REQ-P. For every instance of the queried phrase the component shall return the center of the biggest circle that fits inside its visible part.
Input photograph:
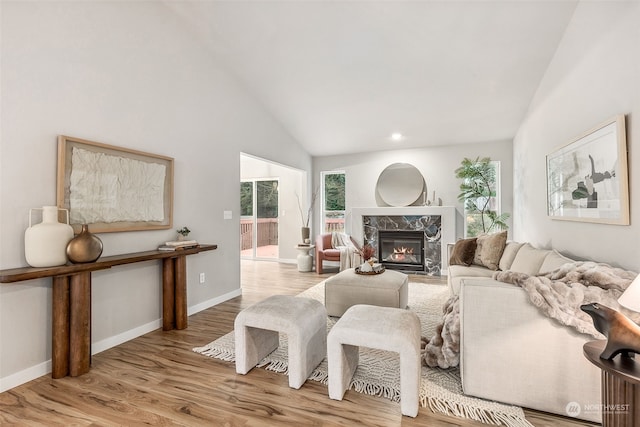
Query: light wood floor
(157, 380)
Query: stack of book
(178, 245)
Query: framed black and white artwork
(587, 179)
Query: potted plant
(477, 190)
(367, 252)
(183, 233)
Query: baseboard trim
(44, 368)
(105, 344)
(213, 301)
(24, 376)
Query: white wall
(594, 76)
(128, 74)
(437, 165)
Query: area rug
(378, 371)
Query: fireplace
(401, 250)
(436, 223)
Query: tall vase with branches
(306, 218)
(477, 189)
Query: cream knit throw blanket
(558, 295)
(349, 254)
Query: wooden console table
(620, 386)
(71, 301)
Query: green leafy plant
(477, 190)
(184, 231)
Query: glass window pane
(475, 222)
(334, 221)
(246, 198)
(259, 232)
(333, 203)
(334, 192)
(267, 199)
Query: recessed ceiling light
(396, 136)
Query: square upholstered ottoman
(347, 288)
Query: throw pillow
(510, 251)
(529, 260)
(553, 261)
(489, 249)
(463, 252)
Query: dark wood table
(620, 386)
(71, 301)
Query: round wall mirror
(400, 184)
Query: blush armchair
(326, 251)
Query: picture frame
(587, 179)
(113, 188)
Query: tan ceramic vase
(85, 247)
(306, 231)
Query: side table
(620, 386)
(305, 260)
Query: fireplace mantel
(447, 214)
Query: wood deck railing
(334, 224)
(267, 230)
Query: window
(482, 210)
(333, 201)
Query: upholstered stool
(347, 288)
(383, 328)
(257, 331)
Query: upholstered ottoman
(383, 328)
(257, 331)
(347, 288)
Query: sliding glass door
(259, 218)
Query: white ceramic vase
(45, 244)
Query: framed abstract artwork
(113, 188)
(587, 179)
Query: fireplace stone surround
(437, 222)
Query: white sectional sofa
(512, 353)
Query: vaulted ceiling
(342, 76)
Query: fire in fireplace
(402, 254)
(401, 250)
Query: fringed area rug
(378, 371)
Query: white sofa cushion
(528, 260)
(508, 255)
(553, 261)
(458, 272)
